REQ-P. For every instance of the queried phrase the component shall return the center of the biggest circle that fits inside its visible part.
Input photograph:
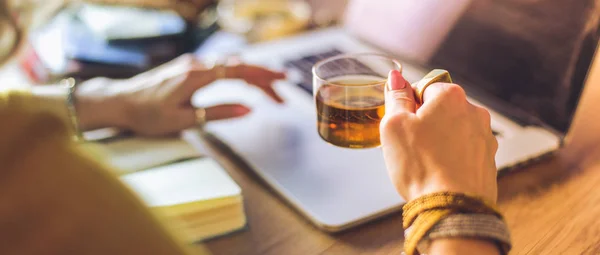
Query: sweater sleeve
(57, 199)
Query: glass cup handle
(436, 75)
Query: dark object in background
(39, 72)
(66, 47)
(79, 43)
(492, 48)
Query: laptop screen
(532, 55)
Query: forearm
(459, 246)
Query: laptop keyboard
(304, 66)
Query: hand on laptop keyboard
(446, 144)
(158, 101)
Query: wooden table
(551, 207)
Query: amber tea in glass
(349, 95)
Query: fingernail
(242, 110)
(395, 81)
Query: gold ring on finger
(436, 75)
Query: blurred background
(491, 41)
(122, 38)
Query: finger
(252, 70)
(263, 79)
(493, 143)
(447, 91)
(492, 149)
(188, 117)
(399, 95)
(485, 117)
(226, 111)
(277, 75)
(272, 94)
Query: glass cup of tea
(349, 92)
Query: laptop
(529, 77)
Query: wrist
(450, 246)
(97, 106)
(417, 190)
(451, 215)
(433, 186)
(234, 71)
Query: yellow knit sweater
(56, 199)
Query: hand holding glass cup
(349, 92)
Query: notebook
(194, 193)
(134, 154)
(196, 196)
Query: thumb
(399, 95)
